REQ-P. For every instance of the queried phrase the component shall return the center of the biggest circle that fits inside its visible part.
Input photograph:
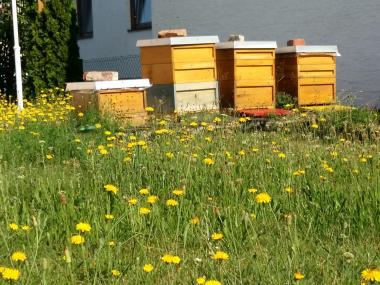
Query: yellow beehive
(308, 73)
(178, 59)
(246, 73)
(125, 100)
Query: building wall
(352, 25)
(111, 39)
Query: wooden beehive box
(182, 71)
(246, 72)
(178, 59)
(308, 73)
(125, 100)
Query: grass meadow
(199, 199)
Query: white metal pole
(16, 48)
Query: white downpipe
(16, 48)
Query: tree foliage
(48, 40)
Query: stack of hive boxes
(246, 72)
(308, 73)
(124, 100)
(182, 71)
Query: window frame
(87, 34)
(134, 14)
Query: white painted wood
(309, 49)
(247, 45)
(104, 85)
(178, 41)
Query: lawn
(197, 199)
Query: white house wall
(352, 25)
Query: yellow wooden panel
(154, 55)
(194, 65)
(252, 72)
(158, 73)
(317, 80)
(195, 75)
(316, 94)
(254, 54)
(122, 103)
(250, 62)
(255, 82)
(316, 59)
(193, 53)
(316, 70)
(254, 97)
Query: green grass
(328, 228)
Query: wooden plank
(316, 59)
(196, 100)
(194, 75)
(193, 53)
(254, 97)
(121, 103)
(155, 55)
(316, 94)
(193, 65)
(158, 73)
(254, 54)
(252, 72)
(254, 62)
(84, 100)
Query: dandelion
(282, 155)
(176, 259)
(49, 156)
(83, 227)
(195, 221)
(194, 124)
(169, 155)
(148, 268)
(107, 133)
(178, 192)
(26, 228)
(18, 256)
(252, 190)
(371, 275)
(152, 199)
(80, 114)
(144, 211)
(217, 236)
(144, 191)
(109, 217)
(299, 172)
(132, 201)
(171, 203)
(149, 109)
(13, 226)
(289, 190)
(11, 274)
(103, 151)
(77, 239)
(115, 273)
(111, 243)
(263, 198)
(208, 161)
(314, 126)
(243, 120)
(98, 126)
(127, 159)
(220, 255)
(111, 188)
(298, 276)
(201, 280)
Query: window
(84, 8)
(141, 14)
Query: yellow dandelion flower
(171, 203)
(178, 192)
(49, 156)
(144, 191)
(98, 126)
(195, 221)
(176, 259)
(201, 280)
(298, 276)
(289, 190)
(11, 274)
(132, 201)
(127, 159)
(115, 273)
(77, 239)
(241, 152)
(148, 268)
(169, 155)
(220, 255)
(152, 199)
(282, 155)
(111, 243)
(194, 124)
(109, 216)
(80, 114)
(149, 109)
(107, 133)
(26, 228)
(252, 190)
(111, 188)
(83, 227)
(144, 211)
(371, 275)
(314, 126)
(167, 258)
(18, 256)
(263, 198)
(217, 120)
(103, 151)
(13, 226)
(217, 236)
(208, 161)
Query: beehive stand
(308, 73)
(246, 72)
(125, 100)
(182, 71)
